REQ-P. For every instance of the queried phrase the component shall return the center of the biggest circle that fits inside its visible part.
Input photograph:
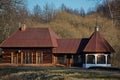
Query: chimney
(96, 28)
(23, 27)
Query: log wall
(27, 56)
(6, 57)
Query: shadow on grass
(106, 68)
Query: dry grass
(53, 73)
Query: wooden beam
(21, 57)
(25, 57)
(41, 61)
(17, 59)
(39, 58)
(53, 59)
(67, 62)
(12, 57)
(71, 61)
(28, 57)
(32, 57)
(36, 58)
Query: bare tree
(8, 16)
(48, 12)
(82, 12)
(37, 13)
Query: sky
(74, 4)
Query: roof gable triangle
(97, 43)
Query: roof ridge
(51, 39)
(50, 36)
(72, 38)
(95, 39)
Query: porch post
(53, 59)
(106, 59)
(57, 59)
(25, 58)
(70, 64)
(28, 54)
(17, 58)
(36, 58)
(32, 57)
(12, 57)
(86, 58)
(21, 57)
(67, 61)
(95, 58)
(41, 57)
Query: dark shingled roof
(98, 44)
(70, 46)
(45, 37)
(67, 46)
(32, 37)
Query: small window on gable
(90, 59)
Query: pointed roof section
(32, 37)
(97, 43)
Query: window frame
(89, 60)
(101, 59)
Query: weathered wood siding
(6, 57)
(40, 56)
(47, 56)
(69, 60)
(27, 56)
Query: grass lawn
(55, 73)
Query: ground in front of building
(56, 73)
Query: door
(47, 58)
(77, 60)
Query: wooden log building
(41, 47)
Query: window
(108, 59)
(40, 56)
(77, 59)
(101, 59)
(27, 58)
(90, 59)
(15, 59)
(61, 59)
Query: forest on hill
(66, 22)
